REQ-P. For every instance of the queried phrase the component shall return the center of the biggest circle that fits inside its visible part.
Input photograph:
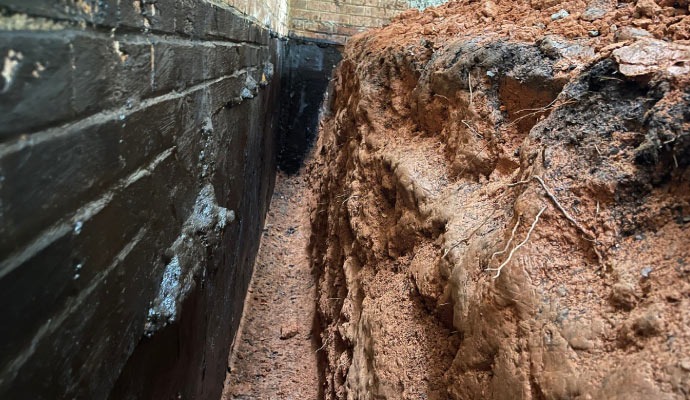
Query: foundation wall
(137, 159)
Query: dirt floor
(274, 354)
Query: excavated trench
(497, 206)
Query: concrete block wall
(137, 159)
(336, 20)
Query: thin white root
(469, 81)
(354, 196)
(588, 235)
(558, 205)
(518, 183)
(322, 347)
(472, 129)
(475, 157)
(510, 256)
(547, 107)
(465, 240)
(512, 235)
(539, 108)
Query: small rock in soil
(647, 8)
(647, 324)
(623, 296)
(593, 13)
(288, 331)
(685, 364)
(630, 33)
(490, 9)
(560, 15)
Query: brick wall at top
(273, 14)
(336, 20)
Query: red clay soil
(498, 207)
(504, 205)
(529, 21)
(274, 355)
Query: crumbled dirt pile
(503, 205)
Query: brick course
(336, 20)
(273, 14)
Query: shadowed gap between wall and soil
(304, 86)
(277, 349)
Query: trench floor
(274, 352)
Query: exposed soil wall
(503, 205)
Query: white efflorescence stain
(9, 68)
(202, 229)
(169, 289)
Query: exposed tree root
(536, 111)
(512, 235)
(587, 235)
(472, 129)
(510, 256)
